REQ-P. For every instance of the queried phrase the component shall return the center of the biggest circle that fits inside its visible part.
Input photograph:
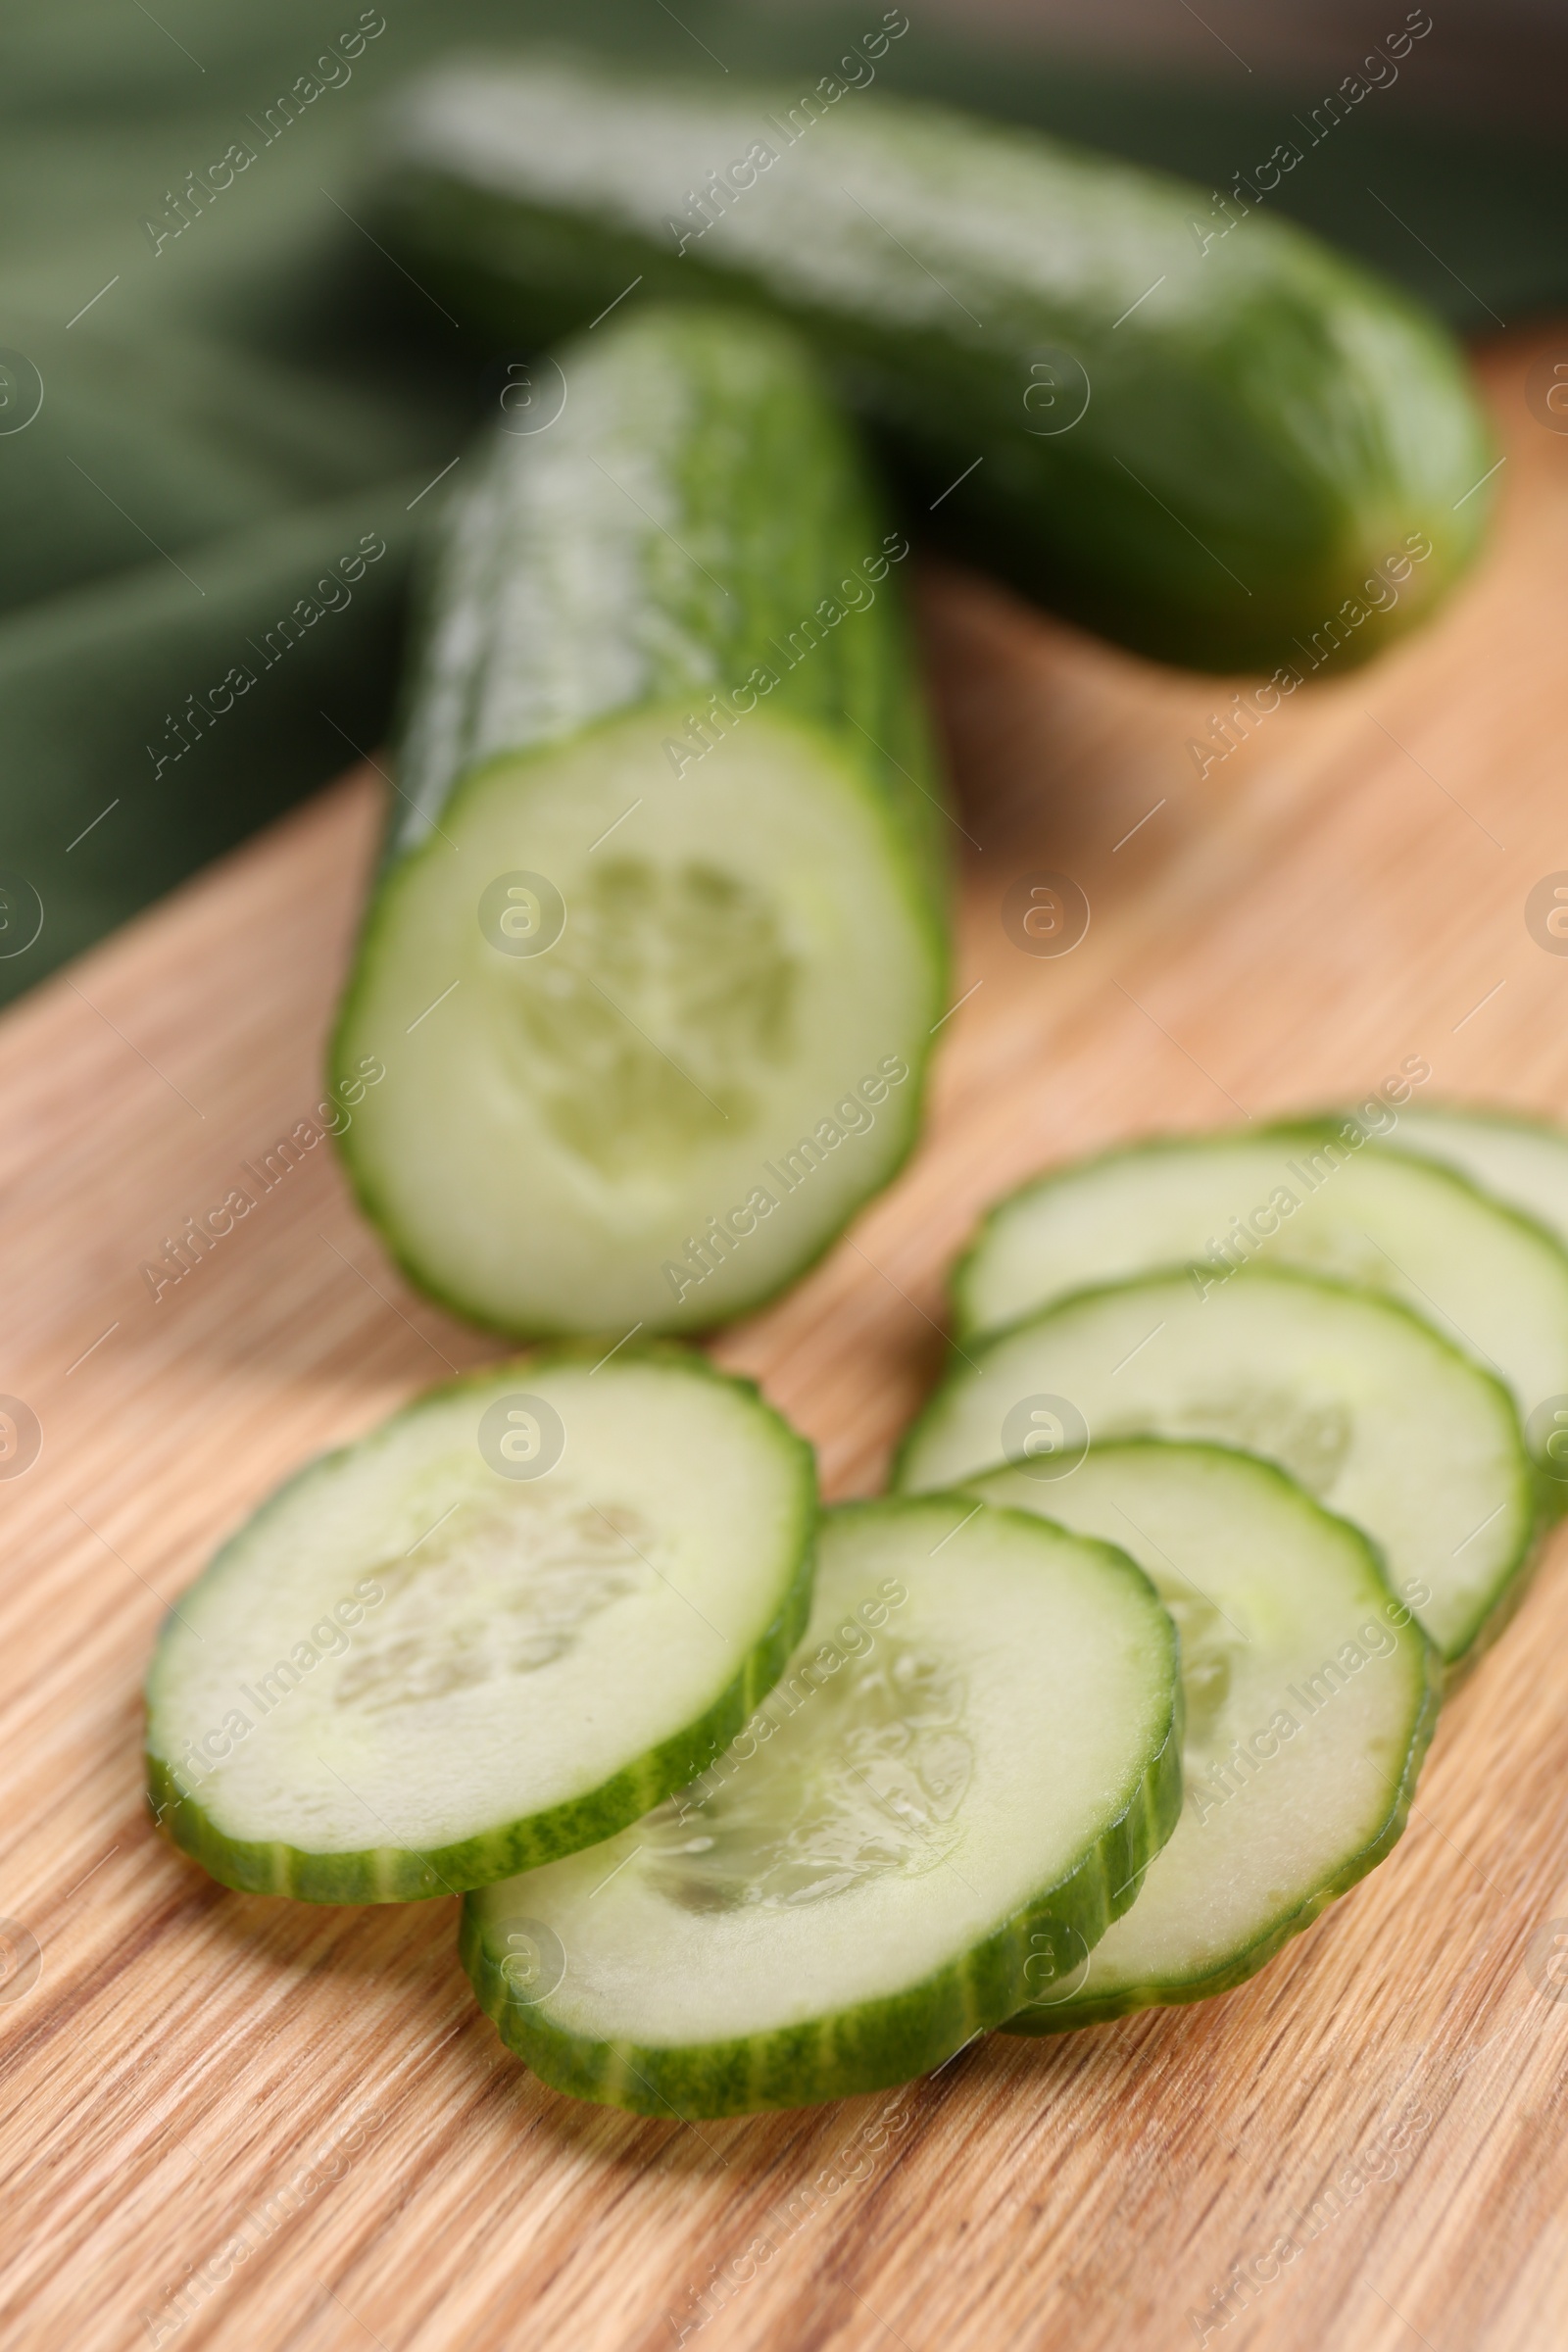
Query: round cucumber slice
(1371, 1409)
(969, 1764)
(1310, 1695)
(502, 1625)
(1306, 1195)
(653, 966)
(1521, 1161)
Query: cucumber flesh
(970, 1761)
(491, 1632)
(654, 962)
(664, 1117)
(1310, 1696)
(1375, 1414)
(1308, 1196)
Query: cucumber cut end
(652, 1032)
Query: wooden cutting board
(298, 2114)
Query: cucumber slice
(1522, 1161)
(883, 1867)
(502, 1625)
(1524, 1164)
(1310, 1696)
(1372, 1410)
(1231, 450)
(1305, 1195)
(654, 962)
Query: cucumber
(657, 953)
(1523, 1163)
(1368, 1407)
(1227, 446)
(502, 1625)
(1519, 1160)
(1307, 1194)
(886, 1862)
(1310, 1696)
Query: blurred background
(209, 393)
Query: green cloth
(240, 388)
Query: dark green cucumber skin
(772, 484)
(393, 1875)
(1543, 1506)
(1261, 434)
(878, 2043)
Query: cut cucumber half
(1369, 1407)
(502, 1625)
(1310, 1696)
(1308, 1195)
(968, 1765)
(653, 964)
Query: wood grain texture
(313, 2091)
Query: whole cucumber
(1204, 433)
